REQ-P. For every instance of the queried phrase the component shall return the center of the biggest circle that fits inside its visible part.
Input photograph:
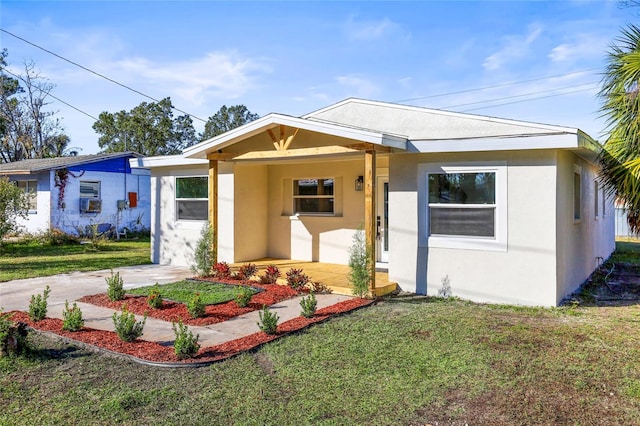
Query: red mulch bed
(157, 353)
(174, 311)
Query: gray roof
(42, 164)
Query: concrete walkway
(15, 295)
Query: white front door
(382, 220)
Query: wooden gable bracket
(282, 144)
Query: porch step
(380, 291)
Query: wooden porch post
(370, 212)
(213, 204)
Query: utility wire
(49, 94)
(97, 73)
(530, 99)
(523, 95)
(495, 86)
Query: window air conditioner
(90, 205)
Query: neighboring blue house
(70, 193)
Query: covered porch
(283, 188)
(331, 275)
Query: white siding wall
(38, 220)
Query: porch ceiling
(278, 136)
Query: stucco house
(488, 209)
(71, 193)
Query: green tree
(13, 205)
(27, 128)
(226, 119)
(620, 94)
(149, 129)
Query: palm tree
(620, 93)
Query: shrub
(247, 271)
(127, 328)
(296, 278)
(115, 290)
(309, 305)
(196, 306)
(186, 344)
(205, 253)
(13, 336)
(318, 287)
(268, 320)
(72, 317)
(221, 270)
(243, 296)
(359, 264)
(271, 275)
(56, 237)
(154, 300)
(38, 305)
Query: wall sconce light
(360, 183)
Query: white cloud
(370, 30)
(358, 86)
(227, 75)
(515, 46)
(582, 46)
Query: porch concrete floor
(332, 275)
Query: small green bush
(309, 305)
(186, 344)
(268, 320)
(72, 317)
(154, 300)
(13, 336)
(359, 264)
(38, 305)
(296, 278)
(243, 296)
(204, 253)
(115, 290)
(196, 306)
(127, 328)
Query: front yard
(406, 360)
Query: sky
(534, 60)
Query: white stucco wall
(37, 220)
(314, 238)
(523, 274)
(581, 245)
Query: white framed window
(192, 198)
(577, 193)
(314, 196)
(596, 198)
(466, 206)
(30, 187)
(89, 189)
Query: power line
(97, 73)
(522, 95)
(49, 94)
(495, 86)
(530, 99)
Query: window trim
(295, 197)
(596, 201)
(176, 199)
(31, 195)
(496, 243)
(92, 182)
(577, 197)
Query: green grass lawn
(409, 360)
(32, 259)
(183, 291)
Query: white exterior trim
(499, 243)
